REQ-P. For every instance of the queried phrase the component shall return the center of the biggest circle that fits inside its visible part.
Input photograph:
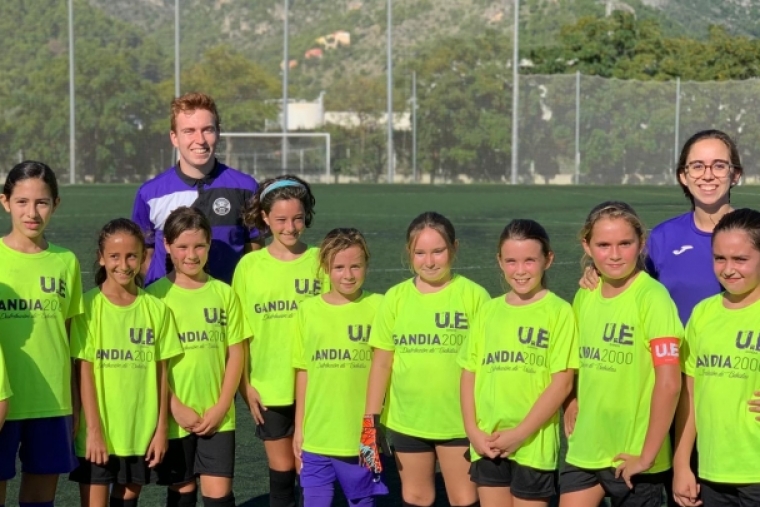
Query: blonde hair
(613, 210)
(338, 240)
(437, 222)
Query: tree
(464, 107)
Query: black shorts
(401, 442)
(647, 488)
(279, 422)
(118, 470)
(524, 482)
(191, 456)
(729, 495)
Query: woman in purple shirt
(678, 251)
(679, 254)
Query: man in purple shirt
(201, 181)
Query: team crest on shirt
(222, 206)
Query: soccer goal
(269, 154)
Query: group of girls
(328, 370)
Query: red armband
(664, 351)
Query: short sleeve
(564, 341)
(5, 386)
(470, 354)
(688, 357)
(81, 347)
(578, 303)
(141, 216)
(480, 297)
(660, 315)
(298, 359)
(168, 339)
(76, 305)
(239, 288)
(382, 326)
(235, 320)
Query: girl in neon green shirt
(332, 359)
(721, 372)
(122, 343)
(416, 336)
(517, 370)
(271, 284)
(628, 377)
(204, 379)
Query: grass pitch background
(382, 213)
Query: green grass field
(382, 213)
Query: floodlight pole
(72, 103)
(577, 175)
(678, 125)
(390, 90)
(175, 153)
(414, 126)
(515, 90)
(285, 69)
(176, 48)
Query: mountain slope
(255, 27)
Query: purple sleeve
(141, 216)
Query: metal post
(176, 48)
(72, 103)
(678, 125)
(577, 175)
(175, 153)
(390, 90)
(285, 69)
(327, 158)
(414, 126)
(515, 91)
(300, 153)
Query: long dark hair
(29, 169)
(253, 214)
(115, 226)
(700, 136)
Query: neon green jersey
(331, 346)
(124, 345)
(5, 386)
(425, 333)
(270, 291)
(513, 351)
(722, 354)
(38, 293)
(208, 320)
(616, 374)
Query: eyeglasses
(720, 168)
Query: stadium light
(72, 126)
(176, 48)
(285, 69)
(175, 153)
(515, 90)
(390, 91)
